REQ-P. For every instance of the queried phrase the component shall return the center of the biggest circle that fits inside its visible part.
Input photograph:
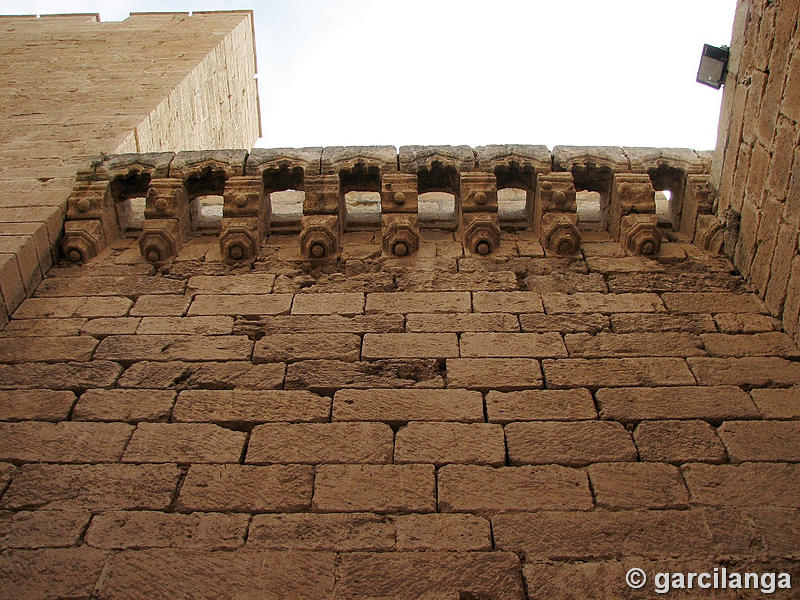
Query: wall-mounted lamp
(713, 66)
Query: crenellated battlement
(626, 180)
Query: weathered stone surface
(494, 373)
(747, 484)
(434, 575)
(131, 286)
(436, 531)
(43, 327)
(247, 488)
(773, 343)
(761, 440)
(174, 347)
(321, 324)
(64, 442)
(697, 402)
(603, 534)
(584, 345)
(713, 302)
(678, 442)
(509, 302)
(327, 304)
(573, 444)
(50, 573)
(472, 488)
(314, 443)
(540, 405)
(427, 281)
(745, 323)
(689, 279)
(564, 323)
(606, 579)
(443, 443)
(753, 371)
(291, 347)
(396, 406)
(330, 375)
(246, 406)
(124, 405)
(375, 488)
(42, 528)
(211, 325)
(566, 283)
(35, 405)
(514, 345)
(120, 530)
(203, 575)
(70, 375)
(204, 375)
(93, 487)
(625, 264)
(244, 304)
(80, 306)
(341, 532)
(637, 485)
(778, 403)
(105, 326)
(616, 372)
(184, 443)
(460, 322)
(242, 283)
(415, 302)
(160, 305)
(642, 322)
(590, 302)
(409, 345)
(46, 349)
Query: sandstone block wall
(756, 167)
(75, 88)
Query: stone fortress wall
(76, 87)
(756, 167)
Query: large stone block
(270, 161)
(200, 163)
(153, 164)
(353, 158)
(423, 158)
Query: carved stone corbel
(631, 193)
(83, 239)
(639, 234)
(245, 218)
(323, 217)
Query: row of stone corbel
(624, 178)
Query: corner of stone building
(105, 103)
(756, 165)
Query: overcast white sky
(583, 72)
